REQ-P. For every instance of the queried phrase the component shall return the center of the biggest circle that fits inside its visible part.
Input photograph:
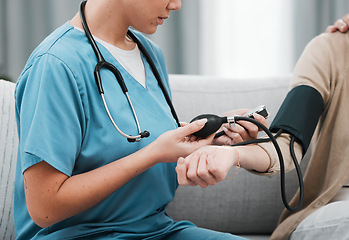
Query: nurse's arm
(52, 196)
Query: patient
(323, 71)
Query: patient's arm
(211, 164)
(284, 143)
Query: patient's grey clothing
(329, 222)
(324, 65)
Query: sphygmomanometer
(297, 116)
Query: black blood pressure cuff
(299, 114)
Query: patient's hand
(240, 132)
(341, 25)
(206, 166)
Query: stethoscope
(101, 63)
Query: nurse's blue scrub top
(61, 120)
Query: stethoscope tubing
(137, 137)
(104, 64)
(157, 76)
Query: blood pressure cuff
(299, 114)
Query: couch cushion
(8, 155)
(195, 94)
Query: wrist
(237, 157)
(151, 154)
(157, 153)
(234, 152)
(253, 157)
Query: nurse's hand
(178, 143)
(341, 25)
(241, 132)
(206, 166)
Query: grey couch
(248, 205)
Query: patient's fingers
(181, 170)
(244, 130)
(248, 128)
(192, 174)
(203, 171)
(233, 136)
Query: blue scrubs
(61, 120)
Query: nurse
(77, 177)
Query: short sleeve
(49, 114)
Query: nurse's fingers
(183, 124)
(190, 138)
(181, 170)
(191, 128)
